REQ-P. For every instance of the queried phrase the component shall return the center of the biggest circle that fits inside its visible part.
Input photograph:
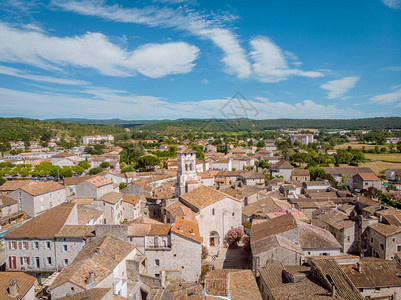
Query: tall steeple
(186, 170)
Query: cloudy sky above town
(169, 59)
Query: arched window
(186, 167)
(190, 167)
(213, 211)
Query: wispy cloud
(94, 50)
(26, 75)
(270, 64)
(394, 4)
(337, 88)
(182, 19)
(396, 69)
(388, 98)
(98, 102)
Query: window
(25, 260)
(49, 260)
(36, 245)
(157, 275)
(25, 245)
(20, 207)
(393, 239)
(233, 214)
(65, 248)
(48, 245)
(381, 246)
(371, 240)
(398, 248)
(213, 212)
(66, 262)
(190, 294)
(157, 262)
(19, 200)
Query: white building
(304, 139)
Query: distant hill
(219, 125)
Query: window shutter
(27, 245)
(29, 260)
(20, 245)
(10, 246)
(22, 260)
(10, 262)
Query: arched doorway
(214, 239)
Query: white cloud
(394, 4)
(235, 59)
(158, 60)
(26, 75)
(396, 69)
(205, 81)
(270, 64)
(94, 50)
(388, 98)
(98, 102)
(337, 88)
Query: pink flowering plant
(234, 236)
(205, 252)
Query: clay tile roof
(83, 201)
(243, 285)
(40, 188)
(6, 201)
(99, 181)
(274, 226)
(144, 220)
(177, 209)
(187, 229)
(46, 225)
(112, 197)
(283, 164)
(24, 282)
(368, 176)
(12, 185)
(75, 180)
(240, 284)
(385, 229)
(92, 294)
(369, 268)
(76, 231)
(100, 256)
(159, 229)
(300, 172)
(186, 151)
(276, 180)
(62, 154)
(143, 184)
(204, 196)
(314, 237)
(252, 175)
(86, 214)
(128, 198)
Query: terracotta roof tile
(99, 181)
(40, 188)
(187, 229)
(12, 185)
(24, 282)
(46, 225)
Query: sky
(170, 59)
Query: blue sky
(168, 59)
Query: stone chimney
(90, 278)
(359, 267)
(13, 288)
(98, 251)
(333, 290)
(180, 228)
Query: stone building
(17, 285)
(366, 180)
(94, 187)
(382, 240)
(102, 263)
(216, 213)
(39, 197)
(111, 206)
(186, 171)
(47, 243)
(283, 169)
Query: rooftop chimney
(90, 278)
(180, 228)
(333, 290)
(13, 288)
(359, 267)
(98, 251)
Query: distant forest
(14, 129)
(218, 125)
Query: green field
(386, 157)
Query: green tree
(105, 164)
(122, 185)
(95, 171)
(316, 172)
(84, 164)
